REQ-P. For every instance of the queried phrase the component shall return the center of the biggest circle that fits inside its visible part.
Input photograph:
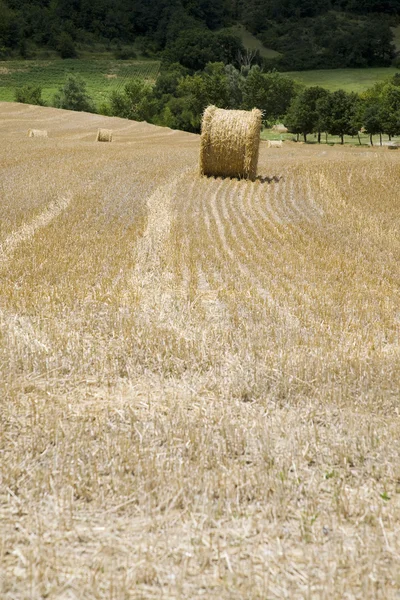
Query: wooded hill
(307, 33)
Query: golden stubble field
(199, 378)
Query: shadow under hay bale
(104, 135)
(37, 133)
(230, 141)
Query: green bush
(125, 54)
(73, 95)
(66, 46)
(29, 94)
(134, 102)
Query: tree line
(178, 99)
(374, 112)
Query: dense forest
(306, 33)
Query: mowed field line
(28, 230)
(149, 276)
(22, 334)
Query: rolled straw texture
(37, 133)
(104, 135)
(230, 141)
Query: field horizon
(199, 376)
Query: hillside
(199, 377)
(350, 80)
(290, 35)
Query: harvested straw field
(199, 377)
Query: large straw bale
(230, 141)
(37, 133)
(104, 135)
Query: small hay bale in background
(104, 135)
(275, 143)
(230, 141)
(280, 128)
(393, 145)
(37, 133)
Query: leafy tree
(168, 80)
(203, 89)
(390, 109)
(299, 119)
(371, 117)
(380, 46)
(73, 95)
(66, 46)
(213, 13)
(195, 47)
(370, 6)
(29, 94)
(178, 114)
(330, 41)
(172, 22)
(303, 116)
(339, 113)
(271, 92)
(235, 81)
(231, 48)
(381, 107)
(135, 102)
(9, 28)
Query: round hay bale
(37, 133)
(230, 141)
(275, 144)
(104, 135)
(280, 128)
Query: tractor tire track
(27, 231)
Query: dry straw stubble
(207, 367)
(230, 141)
(37, 133)
(104, 135)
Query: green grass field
(101, 75)
(270, 134)
(351, 80)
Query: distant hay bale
(104, 135)
(230, 141)
(393, 145)
(37, 133)
(275, 143)
(280, 128)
